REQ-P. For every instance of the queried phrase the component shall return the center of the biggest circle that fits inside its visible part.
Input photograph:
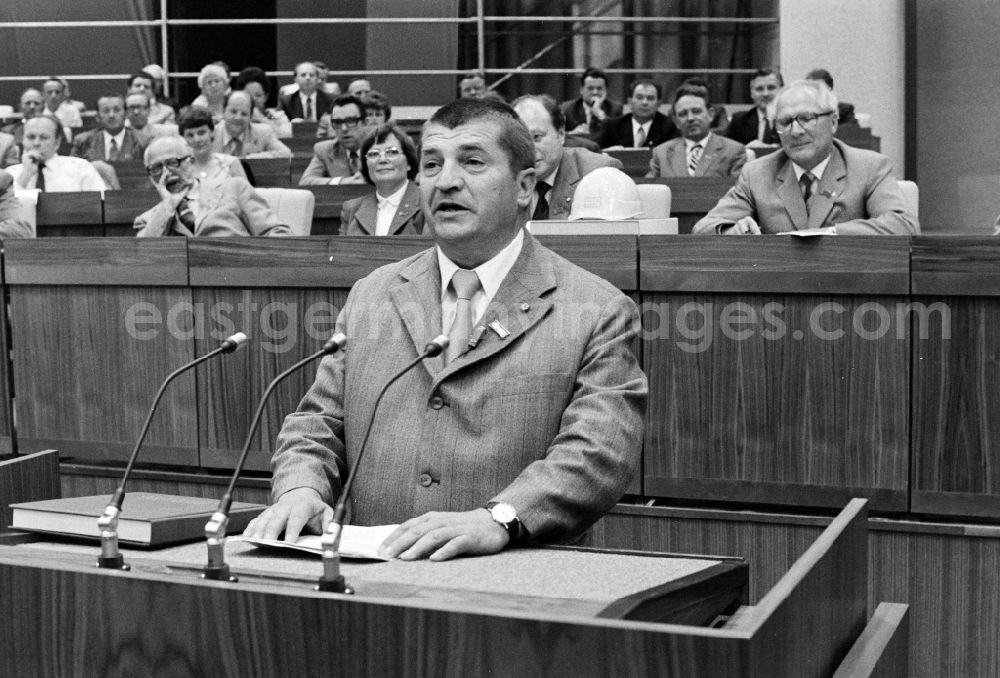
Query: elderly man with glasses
(185, 210)
(814, 183)
(338, 160)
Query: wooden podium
(534, 612)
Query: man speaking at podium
(527, 430)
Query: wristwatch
(506, 516)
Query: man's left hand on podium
(441, 536)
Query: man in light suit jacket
(814, 182)
(10, 154)
(558, 169)
(699, 152)
(644, 120)
(527, 430)
(12, 221)
(235, 209)
(338, 161)
(237, 136)
(110, 142)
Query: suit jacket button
(437, 402)
(425, 479)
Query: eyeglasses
(349, 123)
(156, 169)
(805, 120)
(391, 153)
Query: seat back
(655, 201)
(912, 194)
(293, 206)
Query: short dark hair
(145, 76)
(765, 72)
(594, 73)
(380, 134)
(646, 81)
(347, 100)
(252, 74)
(514, 138)
(378, 101)
(821, 74)
(549, 104)
(692, 90)
(194, 117)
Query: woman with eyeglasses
(212, 169)
(389, 163)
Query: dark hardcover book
(146, 519)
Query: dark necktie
(308, 108)
(185, 215)
(234, 147)
(113, 151)
(466, 284)
(353, 164)
(806, 182)
(542, 206)
(40, 177)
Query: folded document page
(356, 541)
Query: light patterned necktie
(113, 151)
(694, 155)
(466, 284)
(234, 147)
(640, 138)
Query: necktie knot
(806, 182)
(466, 283)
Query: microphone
(215, 529)
(331, 580)
(110, 557)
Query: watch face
(503, 513)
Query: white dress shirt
(645, 126)
(387, 207)
(64, 174)
(119, 140)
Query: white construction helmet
(606, 193)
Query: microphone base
(116, 562)
(218, 573)
(334, 585)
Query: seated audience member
(329, 87)
(720, 119)
(159, 93)
(337, 160)
(358, 88)
(57, 106)
(78, 105)
(377, 108)
(11, 223)
(254, 82)
(586, 114)
(390, 165)
(10, 154)
(506, 460)
(845, 111)
(159, 113)
(210, 168)
(814, 181)
(239, 137)
(111, 141)
(213, 80)
(698, 152)
(472, 85)
(644, 126)
(137, 108)
(558, 169)
(185, 209)
(755, 127)
(31, 105)
(307, 103)
(43, 168)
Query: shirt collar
(119, 138)
(491, 273)
(393, 198)
(688, 144)
(817, 171)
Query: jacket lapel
(367, 215)
(791, 194)
(418, 302)
(408, 206)
(708, 156)
(678, 158)
(517, 306)
(829, 187)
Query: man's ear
(526, 180)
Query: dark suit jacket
(575, 116)
(358, 215)
(857, 193)
(618, 131)
(575, 163)
(90, 146)
(548, 418)
(291, 104)
(743, 128)
(721, 157)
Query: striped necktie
(694, 155)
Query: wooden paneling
(270, 171)
(856, 265)
(760, 398)
(881, 650)
(7, 443)
(634, 160)
(614, 258)
(61, 209)
(284, 326)
(28, 478)
(122, 207)
(81, 480)
(96, 261)
(262, 262)
(956, 265)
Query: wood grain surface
(956, 265)
(881, 650)
(27, 478)
(55, 209)
(96, 261)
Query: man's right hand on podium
(296, 509)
